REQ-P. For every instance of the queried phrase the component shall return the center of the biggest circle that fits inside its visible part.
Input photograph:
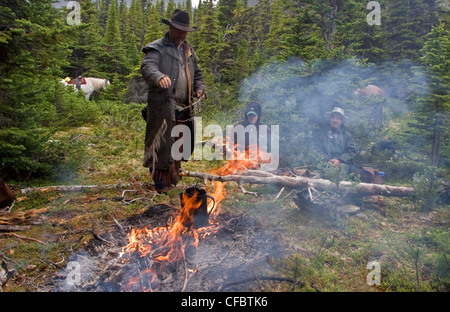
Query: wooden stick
(24, 237)
(279, 193)
(361, 189)
(75, 188)
(13, 227)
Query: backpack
(369, 175)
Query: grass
(322, 252)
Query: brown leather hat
(179, 20)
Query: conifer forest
(75, 196)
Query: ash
(230, 259)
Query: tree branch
(361, 189)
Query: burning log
(300, 183)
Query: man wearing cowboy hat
(170, 68)
(336, 144)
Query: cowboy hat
(339, 111)
(179, 20)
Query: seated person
(252, 116)
(335, 143)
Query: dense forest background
(297, 58)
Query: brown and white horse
(91, 85)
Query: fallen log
(300, 183)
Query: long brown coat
(162, 59)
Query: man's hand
(335, 162)
(198, 94)
(164, 82)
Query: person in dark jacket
(170, 68)
(335, 143)
(252, 135)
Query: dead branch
(241, 187)
(298, 182)
(24, 237)
(13, 228)
(98, 237)
(118, 224)
(74, 188)
(279, 193)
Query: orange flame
(165, 243)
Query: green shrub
(427, 188)
(72, 109)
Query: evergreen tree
(94, 51)
(34, 47)
(131, 45)
(112, 31)
(325, 15)
(171, 6)
(206, 37)
(225, 12)
(189, 9)
(153, 30)
(259, 30)
(356, 36)
(436, 105)
(235, 32)
(137, 22)
(277, 29)
(303, 39)
(117, 61)
(242, 66)
(407, 22)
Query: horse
(370, 90)
(90, 85)
(374, 112)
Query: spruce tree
(356, 36)
(34, 47)
(153, 30)
(407, 22)
(303, 38)
(277, 29)
(171, 6)
(206, 37)
(436, 59)
(117, 62)
(95, 54)
(136, 24)
(131, 44)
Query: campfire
(165, 246)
